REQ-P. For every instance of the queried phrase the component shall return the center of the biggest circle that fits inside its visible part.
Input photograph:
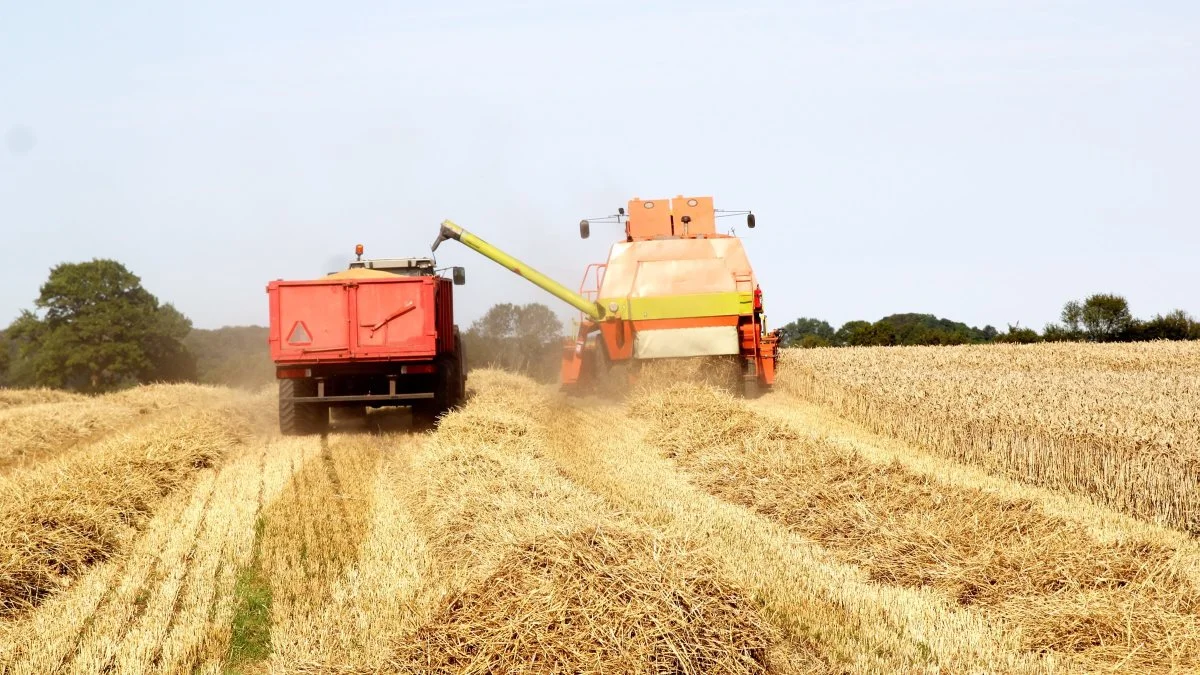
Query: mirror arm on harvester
(451, 231)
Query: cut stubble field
(673, 529)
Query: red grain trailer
(380, 333)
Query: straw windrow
(1104, 604)
(12, 398)
(548, 578)
(48, 424)
(64, 516)
(680, 531)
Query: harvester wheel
(750, 387)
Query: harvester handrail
(594, 272)
(452, 231)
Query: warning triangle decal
(299, 335)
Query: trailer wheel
(460, 396)
(298, 419)
(446, 389)
(291, 420)
(445, 385)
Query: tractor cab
(405, 267)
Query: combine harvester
(672, 288)
(380, 333)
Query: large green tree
(95, 328)
(855, 334)
(1072, 318)
(1106, 317)
(1101, 317)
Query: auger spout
(451, 231)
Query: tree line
(1102, 317)
(94, 328)
(525, 339)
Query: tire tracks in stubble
(98, 653)
(828, 608)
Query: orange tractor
(672, 288)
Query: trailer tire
(446, 389)
(291, 417)
(299, 419)
(427, 411)
(460, 389)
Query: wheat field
(995, 524)
(1118, 422)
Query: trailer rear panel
(324, 321)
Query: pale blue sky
(984, 161)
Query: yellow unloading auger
(452, 231)
(673, 288)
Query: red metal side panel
(396, 319)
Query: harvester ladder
(744, 283)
